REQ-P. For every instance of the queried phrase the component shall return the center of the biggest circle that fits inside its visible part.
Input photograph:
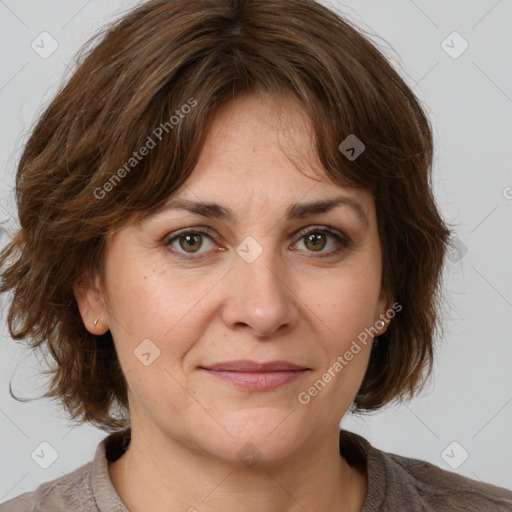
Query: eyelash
(343, 241)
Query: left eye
(315, 240)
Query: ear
(385, 311)
(91, 305)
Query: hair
(80, 175)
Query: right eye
(186, 243)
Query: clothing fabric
(395, 484)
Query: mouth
(255, 376)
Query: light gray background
(469, 100)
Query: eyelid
(326, 228)
(341, 238)
(344, 241)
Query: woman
(228, 239)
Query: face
(249, 282)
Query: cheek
(346, 304)
(144, 294)
(171, 311)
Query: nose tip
(258, 297)
(257, 325)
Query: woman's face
(258, 280)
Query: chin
(262, 436)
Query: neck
(156, 471)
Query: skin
(291, 303)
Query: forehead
(262, 125)
(263, 148)
(259, 156)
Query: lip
(256, 376)
(245, 365)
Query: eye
(316, 239)
(189, 241)
(186, 244)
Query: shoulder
(436, 489)
(86, 488)
(69, 492)
(396, 482)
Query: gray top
(395, 483)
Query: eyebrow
(295, 211)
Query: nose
(260, 297)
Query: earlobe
(385, 313)
(90, 306)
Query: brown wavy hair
(131, 78)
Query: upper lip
(244, 365)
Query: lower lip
(258, 381)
